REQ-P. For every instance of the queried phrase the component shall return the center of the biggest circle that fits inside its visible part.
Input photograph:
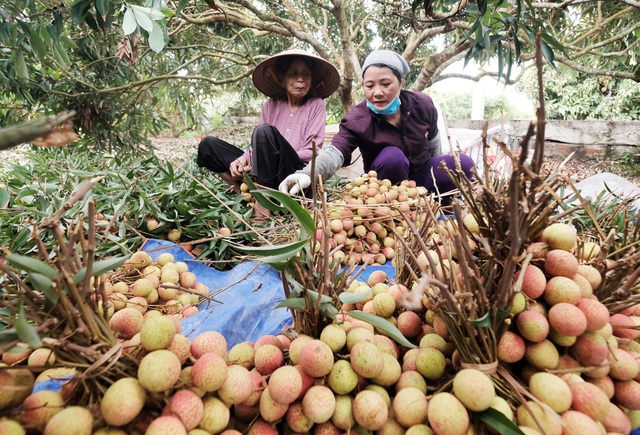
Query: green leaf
(99, 267)
(383, 325)
(290, 248)
(156, 38)
(26, 331)
(142, 19)
(352, 298)
(45, 37)
(509, 65)
(61, 55)
(471, 31)
(43, 284)
(32, 265)
(500, 59)
(499, 422)
(183, 4)
(324, 299)
(553, 42)
(547, 52)
(129, 24)
(486, 34)
(292, 303)
(4, 198)
(503, 314)
(101, 7)
(79, 10)
(154, 14)
(22, 71)
(482, 322)
(91, 22)
(37, 44)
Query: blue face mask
(389, 110)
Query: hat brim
(325, 82)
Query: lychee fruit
(159, 370)
(316, 358)
(215, 416)
(590, 349)
(595, 312)
(126, 322)
(39, 407)
(267, 358)
(551, 390)
(560, 236)
(157, 333)
(242, 354)
(334, 336)
(209, 341)
(209, 372)
(342, 379)
(560, 263)
(562, 289)
(511, 347)
(270, 410)
(366, 359)
(70, 420)
(285, 384)
(123, 401)
(410, 406)
(533, 282)
(430, 363)
(318, 404)
(567, 319)
(474, 389)
(188, 406)
(543, 355)
(370, 410)
(446, 414)
(532, 326)
(590, 400)
(237, 386)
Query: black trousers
(273, 158)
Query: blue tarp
(250, 293)
(246, 297)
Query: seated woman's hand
(238, 167)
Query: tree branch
(32, 129)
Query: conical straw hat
(267, 80)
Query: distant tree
(571, 94)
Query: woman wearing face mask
(395, 130)
(292, 119)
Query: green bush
(133, 189)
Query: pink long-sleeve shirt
(300, 127)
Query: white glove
(295, 183)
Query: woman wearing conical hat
(293, 118)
